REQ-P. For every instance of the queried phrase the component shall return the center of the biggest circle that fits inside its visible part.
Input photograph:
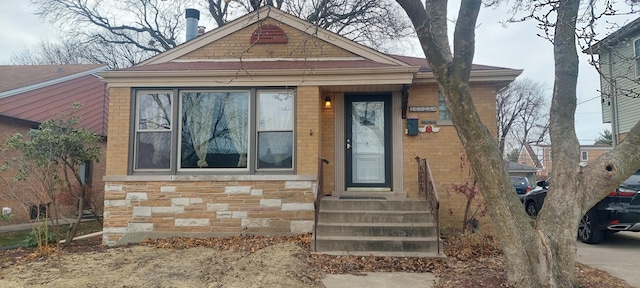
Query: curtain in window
(235, 113)
(199, 109)
(275, 138)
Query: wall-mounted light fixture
(327, 102)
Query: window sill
(215, 178)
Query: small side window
(636, 54)
(584, 156)
(443, 111)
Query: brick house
(539, 156)
(31, 94)
(277, 94)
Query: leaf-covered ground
(252, 261)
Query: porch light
(327, 102)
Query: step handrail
(427, 189)
(316, 203)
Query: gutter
(614, 103)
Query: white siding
(622, 69)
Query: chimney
(193, 15)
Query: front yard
(246, 261)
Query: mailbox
(412, 126)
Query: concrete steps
(397, 227)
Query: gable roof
(44, 96)
(282, 17)
(198, 62)
(614, 38)
(532, 154)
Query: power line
(591, 99)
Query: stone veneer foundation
(136, 210)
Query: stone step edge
(369, 224)
(375, 211)
(433, 255)
(375, 238)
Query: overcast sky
(515, 46)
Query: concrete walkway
(380, 280)
(618, 255)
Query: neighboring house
(224, 133)
(31, 94)
(540, 157)
(517, 169)
(530, 156)
(619, 61)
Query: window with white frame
(443, 111)
(584, 156)
(244, 130)
(636, 54)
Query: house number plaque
(423, 108)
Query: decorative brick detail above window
(269, 34)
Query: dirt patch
(247, 261)
(140, 266)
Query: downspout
(614, 102)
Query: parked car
(620, 211)
(521, 184)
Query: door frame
(397, 135)
(388, 148)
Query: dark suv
(521, 185)
(620, 211)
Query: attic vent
(269, 34)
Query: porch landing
(376, 225)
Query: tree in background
(123, 33)
(605, 138)
(513, 155)
(52, 156)
(542, 254)
(521, 114)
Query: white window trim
(583, 154)
(636, 57)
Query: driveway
(617, 254)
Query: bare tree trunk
(557, 227)
(542, 255)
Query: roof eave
(280, 77)
(498, 76)
(614, 38)
(51, 82)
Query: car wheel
(531, 209)
(587, 230)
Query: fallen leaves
(473, 261)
